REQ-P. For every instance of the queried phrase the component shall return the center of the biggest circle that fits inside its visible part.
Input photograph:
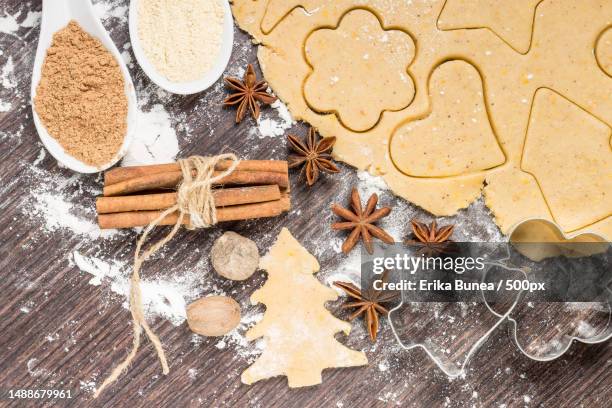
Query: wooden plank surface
(59, 331)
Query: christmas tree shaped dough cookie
(297, 329)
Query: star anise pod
(430, 240)
(369, 303)
(314, 154)
(248, 93)
(361, 222)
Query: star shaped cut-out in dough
(510, 20)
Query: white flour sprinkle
(8, 81)
(584, 330)
(369, 184)
(41, 156)
(33, 370)
(8, 24)
(349, 270)
(155, 140)
(97, 268)
(247, 350)
(127, 58)
(166, 298)
(7, 76)
(110, 9)
(383, 366)
(192, 373)
(88, 386)
(32, 19)
(58, 213)
(274, 123)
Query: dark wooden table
(57, 331)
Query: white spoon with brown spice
(86, 141)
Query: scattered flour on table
(585, 330)
(245, 349)
(105, 9)
(87, 386)
(8, 81)
(98, 268)
(9, 24)
(192, 373)
(57, 213)
(32, 19)
(162, 297)
(369, 184)
(155, 139)
(54, 198)
(41, 156)
(349, 270)
(383, 366)
(273, 123)
(7, 74)
(127, 57)
(33, 369)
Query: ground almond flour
(81, 97)
(181, 38)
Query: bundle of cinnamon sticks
(135, 196)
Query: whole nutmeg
(213, 315)
(234, 256)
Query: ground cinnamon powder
(81, 98)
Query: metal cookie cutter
(450, 333)
(451, 352)
(537, 329)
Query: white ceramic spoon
(184, 88)
(55, 16)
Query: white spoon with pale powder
(55, 16)
(177, 47)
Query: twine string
(195, 199)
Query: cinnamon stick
(119, 174)
(232, 213)
(172, 179)
(222, 197)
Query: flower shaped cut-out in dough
(359, 70)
